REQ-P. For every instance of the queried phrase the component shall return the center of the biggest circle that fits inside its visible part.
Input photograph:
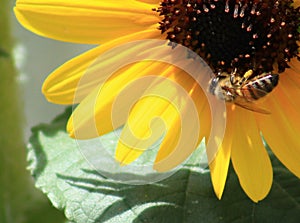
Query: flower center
(234, 35)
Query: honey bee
(243, 90)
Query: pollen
(234, 34)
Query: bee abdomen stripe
(268, 86)
(253, 94)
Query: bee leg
(234, 79)
(245, 76)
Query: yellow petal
(219, 165)
(180, 141)
(61, 85)
(151, 1)
(86, 21)
(281, 129)
(103, 109)
(144, 128)
(295, 66)
(296, 3)
(171, 108)
(149, 118)
(289, 87)
(249, 156)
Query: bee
(244, 90)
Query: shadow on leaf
(187, 196)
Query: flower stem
(20, 202)
(14, 179)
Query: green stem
(20, 202)
(14, 179)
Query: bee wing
(251, 93)
(260, 86)
(252, 98)
(250, 105)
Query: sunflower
(238, 39)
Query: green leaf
(72, 185)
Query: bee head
(213, 84)
(216, 85)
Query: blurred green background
(25, 61)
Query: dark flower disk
(232, 34)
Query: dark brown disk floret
(234, 34)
